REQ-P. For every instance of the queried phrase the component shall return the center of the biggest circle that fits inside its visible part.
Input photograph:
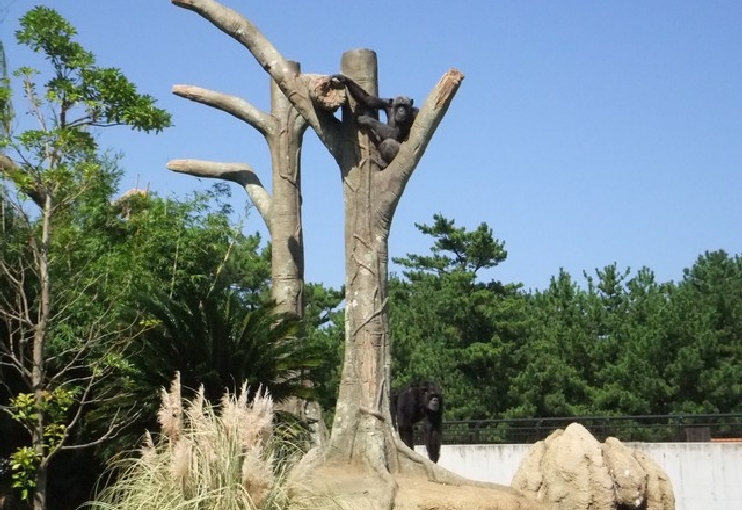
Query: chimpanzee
(400, 115)
(415, 401)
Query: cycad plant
(220, 342)
(215, 342)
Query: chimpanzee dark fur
(419, 400)
(400, 114)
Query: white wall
(704, 476)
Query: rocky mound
(571, 470)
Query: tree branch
(6, 165)
(292, 85)
(233, 105)
(239, 173)
(396, 176)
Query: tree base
(416, 484)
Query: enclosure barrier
(672, 428)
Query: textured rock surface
(629, 478)
(659, 489)
(571, 470)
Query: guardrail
(642, 428)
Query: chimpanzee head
(402, 110)
(433, 396)
(434, 402)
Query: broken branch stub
(323, 93)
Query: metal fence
(649, 428)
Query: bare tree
(362, 432)
(283, 129)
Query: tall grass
(208, 459)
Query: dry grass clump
(208, 459)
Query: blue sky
(585, 132)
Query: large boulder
(571, 470)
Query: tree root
(435, 473)
(390, 490)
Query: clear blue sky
(585, 132)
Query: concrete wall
(704, 476)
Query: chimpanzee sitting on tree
(400, 114)
(415, 401)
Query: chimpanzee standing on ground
(400, 115)
(415, 401)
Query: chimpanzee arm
(361, 96)
(406, 415)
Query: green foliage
(456, 249)
(325, 329)
(448, 325)
(59, 309)
(59, 157)
(214, 340)
(24, 463)
(53, 410)
(555, 358)
(6, 106)
(622, 344)
(54, 405)
(704, 345)
(105, 94)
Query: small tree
(58, 363)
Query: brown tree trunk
(287, 254)
(361, 428)
(286, 227)
(38, 369)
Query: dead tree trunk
(287, 262)
(362, 431)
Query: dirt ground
(354, 490)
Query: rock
(659, 489)
(629, 478)
(571, 470)
(529, 477)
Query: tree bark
(359, 432)
(287, 254)
(287, 263)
